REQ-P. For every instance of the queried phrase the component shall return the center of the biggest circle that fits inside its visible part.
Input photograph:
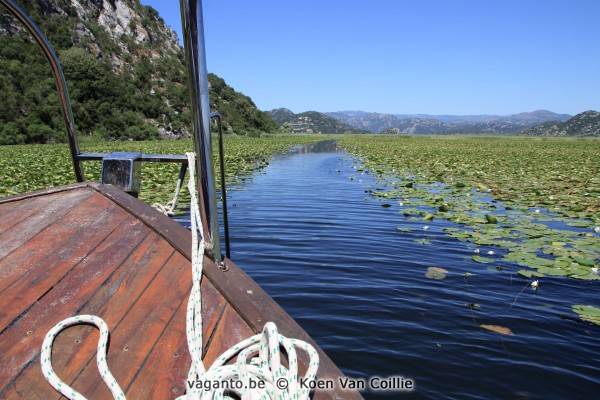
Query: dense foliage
(121, 86)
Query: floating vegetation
(498, 329)
(25, 168)
(588, 313)
(533, 202)
(436, 273)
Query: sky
(454, 57)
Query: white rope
(46, 357)
(258, 358)
(169, 208)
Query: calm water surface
(306, 230)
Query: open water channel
(307, 230)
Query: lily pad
(588, 313)
(483, 260)
(491, 219)
(583, 261)
(529, 273)
(436, 273)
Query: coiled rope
(258, 357)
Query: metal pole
(223, 185)
(193, 39)
(59, 79)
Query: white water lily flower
(597, 229)
(595, 270)
(551, 197)
(491, 252)
(535, 284)
(426, 227)
(476, 251)
(537, 211)
(401, 204)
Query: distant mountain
(310, 122)
(424, 123)
(584, 124)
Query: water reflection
(324, 146)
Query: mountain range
(423, 123)
(310, 122)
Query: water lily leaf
(496, 328)
(552, 271)
(529, 273)
(579, 224)
(436, 273)
(483, 260)
(587, 313)
(399, 229)
(584, 261)
(491, 219)
(428, 217)
(590, 277)
(423, 241)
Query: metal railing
(193, 28)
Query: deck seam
(212, 334)
(157, 340)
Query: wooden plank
(165, 371)
(135, 336)
(231, 330)
(87, 228)
(61, 239)
(13, 212)
(20, 233)
(21, 342)
(44, 192)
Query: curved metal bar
(223, 186)
(193, 38)
(59, 79)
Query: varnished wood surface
(91, 249)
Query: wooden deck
(91, 249)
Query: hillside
(423, 123)
(584, 124)
(125, 70)
(310, 122)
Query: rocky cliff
(125, 70)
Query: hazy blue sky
(401, 56)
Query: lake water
(308, 232)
